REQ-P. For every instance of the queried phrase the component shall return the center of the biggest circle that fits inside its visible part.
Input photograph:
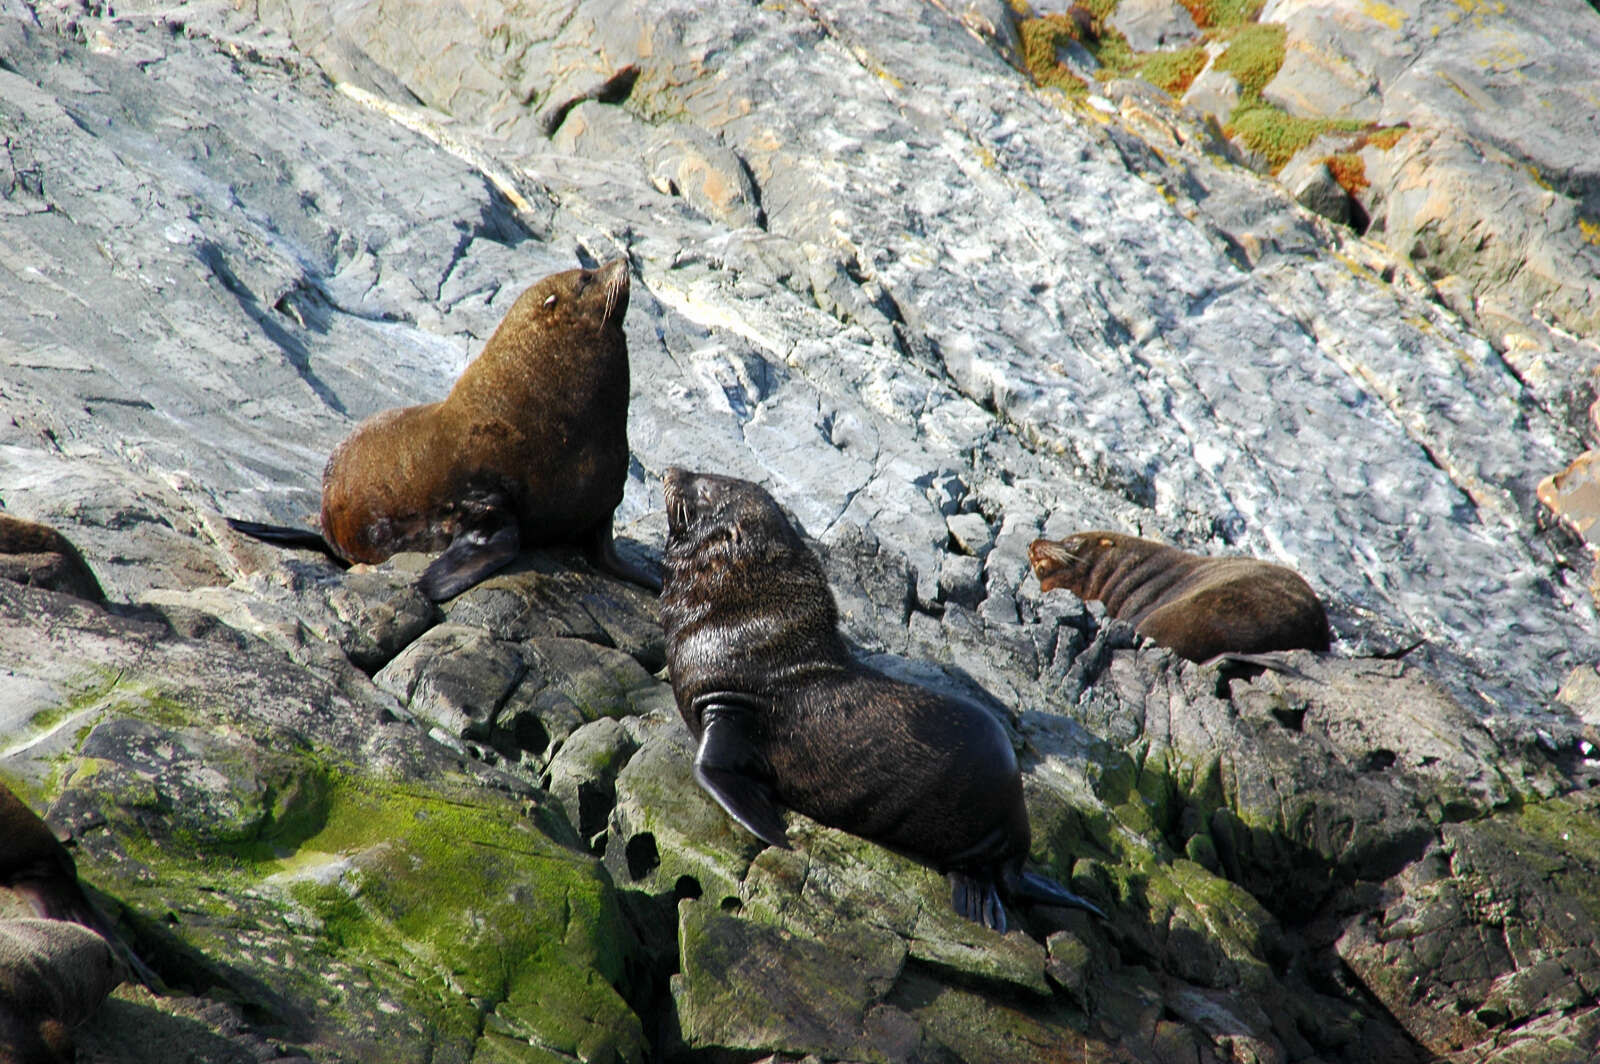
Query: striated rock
(1507, 948)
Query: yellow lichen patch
(1590, 230)
(1379, 12)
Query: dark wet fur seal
(785, 716)
(36, 554)
(1200, 607)
(35, 865)
(529, 449)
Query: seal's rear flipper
(1028, 886)
(286, 536)
(977, 899)
(602, 554)
(729, 768)
(471, 557)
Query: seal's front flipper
(602, 554)
(732, 771)
(286, 536)
(471, 557)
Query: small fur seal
(1200, 607)
(36, 554)
(35, 865)
(529, 449)
(785, 717)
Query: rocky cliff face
(938, 310)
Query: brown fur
(750, 621)
(35, 864)
(36, 554)
(1200, 607)
(539, 418)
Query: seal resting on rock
(35, 865)
(53, 976)
(785, 717)
(1200, 607)
(529, 449)
(31, 553)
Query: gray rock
(1150, 25)
(1213, 92)
(1315, 188)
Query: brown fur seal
(529, 449)
(53, 975)
(31, 553)
(1200, 607)
(35, 865)
(785, 717)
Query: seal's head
(1069, 563)
(578, 299)
(709, 515)
(735, 563)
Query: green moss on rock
(1278, 135)
(1254, 54)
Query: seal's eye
(549, 301)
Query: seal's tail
(286, 536)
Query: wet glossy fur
(752, 631)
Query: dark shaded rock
(1490, 934)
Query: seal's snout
(677, 488)
(613, 278)
(1046, 554)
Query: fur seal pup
(35, 865)
(785, 717)
(529, 449)
(1200, 607)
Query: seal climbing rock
(529, 449)
(1198, 606)
(786, 718)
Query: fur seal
(36, 554)
(53, 975)
(529, 449)
(35, 865)
(785, 717)
(1200, 607)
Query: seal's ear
(550, 301)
